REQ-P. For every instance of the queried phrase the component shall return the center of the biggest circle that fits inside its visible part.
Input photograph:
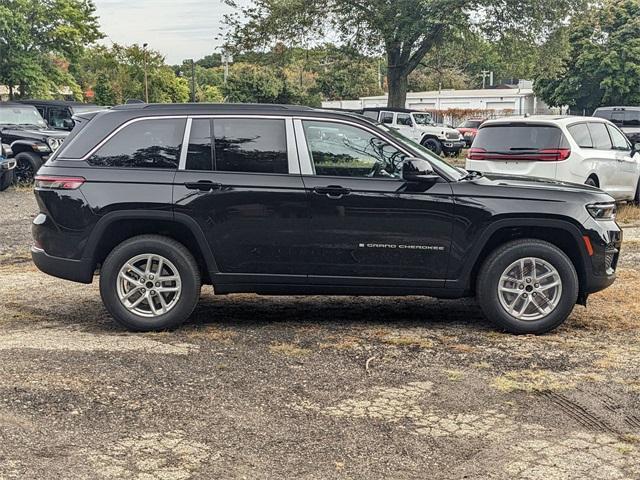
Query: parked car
(585, 150)
(24, 129)
(7, 165)
(469, 129)
(276, 200)
(419, 127)
(626, 119)
(59, 114)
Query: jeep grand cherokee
(274, 199)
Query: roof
(477, 93)
(209, 107)
(58, 103)
(632, 108)
(541, 119)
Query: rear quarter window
(515, 137)
(581, 135)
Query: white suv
(571, 149)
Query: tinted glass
(632, 118)
(340, 150)
(200, 154)
(600, 136)
(57, 116)
(372, 115)
(144, 144)
(404, 119)
(21, 115)
(581, 135)
(386, 117)
(617, 117)
(509, 138)
(618, 138)
(250, 145)
(606, 114)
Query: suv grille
(453, 135)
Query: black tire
(6, 179)
(500, 259)
(591, 182)
(433, 144)
(27, 165)
(171, 250)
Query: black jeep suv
(291, 200)
(59, 113)
(32, 142)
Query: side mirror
(68, 124)
(635, 148)
(417, 170)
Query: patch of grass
(454, 375)
(289, 349)
(210, 333)
(347, 343)
(463, 348)
(529, 381)
(628, 214)
(408, 341)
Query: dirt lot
(312, 388)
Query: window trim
(306, 163)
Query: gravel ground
(312, 388)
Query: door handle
(203, 185)
(332, 191)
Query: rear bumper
(80, 271)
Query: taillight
(47, 182)
(544, 155)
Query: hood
(34, 133)
(536, 183)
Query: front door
(367, 225)
(241, 183)
(628, 166)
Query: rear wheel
(527, 286)
(150, 283)
(591, 182)
(27, 165)
(433, 144)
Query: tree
(249, 83)
(406, 30)
(35, 33)
(600, 62)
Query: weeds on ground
(289, 349)
(628, 214)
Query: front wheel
(527, 286)
(591, 182)
(433, 144)
(27, 165)
(150, 283)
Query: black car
(59, 113)
(32, 142)
(626, 119)
(291, 200)
(7, 164)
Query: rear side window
(386, 117)
(154, 143)
(581, 135)
(521, 137)
(618, 138)
(404, 119)
(250, 145)
(600, 136)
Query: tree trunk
(398, 85)
(11, 92)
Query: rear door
(241, 182)
(604, 158)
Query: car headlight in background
(41, 147)
(602, 211)
(53, 143)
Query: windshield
(423, 118)
(471, 124)
(427, 154)
(21, 115)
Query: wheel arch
(563, 234)
(22, 146)
(595, 177)
(116, 227)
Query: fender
(465, 277)
(20, 146)
(184, 220)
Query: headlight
(41, 147)
(53, 143)
(602, 211)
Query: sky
(178, 29)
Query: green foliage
(34, 33)
(249, 83)
(601, 61)
(210, 94)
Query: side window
(386, 117)
(57, 116)
(250, 145)
(371, 114)
(617, 117)
(600, 136)
(339, 150)
(404, 119)
(581, 135)
(618, 139)
(152, 143)
(200, 153)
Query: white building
(517, 100)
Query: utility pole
(146, 78)
(193, 81)
(226, 58)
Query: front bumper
(80, 271)
(601, 270)
(453, 145)
(7, 164)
